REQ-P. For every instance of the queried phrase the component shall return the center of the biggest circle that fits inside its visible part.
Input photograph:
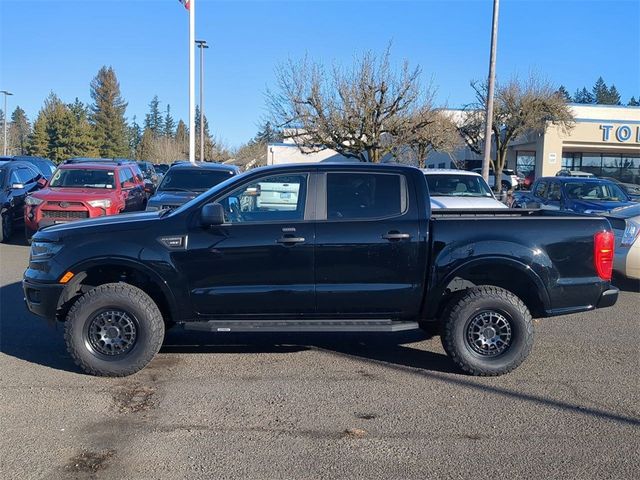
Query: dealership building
(605, 141)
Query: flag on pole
(185, 3)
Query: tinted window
(452, 185)
(192, 180)
(603, 191)
(364, 195)
(125, 176)
(27, 175)
(554, 192)
(83, 178)
(276, 198)
(541, 190)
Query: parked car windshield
(192, 180)
(452, 185)
(603, 191)
(83, 178)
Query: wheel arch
(503, 272)
(98, 271)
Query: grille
(64, 214)
(66, 204)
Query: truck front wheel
(114, 330)
(487, 331)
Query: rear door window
(541, 190)
(354, 195)
(125, 176)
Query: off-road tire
(149, 329)
(460, 312)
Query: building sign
(553, 158)
(621, 133)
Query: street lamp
(202, 44)
(4, 146)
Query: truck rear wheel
(114, 330)
(487, 331)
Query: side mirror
(128, 185)
(42, 182)
(212, 214)
(17, 186)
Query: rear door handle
(396, 236)
(290, 240)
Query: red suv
(85, 190)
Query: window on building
(592, 163)
(441, 165)
(526, 164)
(630, 169)
(571, 160)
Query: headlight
(33, 200)
(105, 203)
(42, 250)
(630, 234)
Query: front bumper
(42, 299)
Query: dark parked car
(17, 180)
(576, 194)
(45, 166)
(184, 181)
(161, 168)
(323, 247)
(150, 176)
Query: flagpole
(192, 81)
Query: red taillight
(603, 244)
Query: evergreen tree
(564, 93)
(633, 102)
(135, 136)
(267, 134)
(583, 96)
(209, 144)
(153, 120)
(76, 136)
(108, 114)
(169, 123)
(600, 91)
(19, 131)
(146, 145)
(181, 138)
(613, 96)
(44, 136)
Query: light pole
(492, 77)
(4, 145)
(202, 44)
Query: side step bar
(301, 326)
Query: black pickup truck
(322, 247)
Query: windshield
(191, 180)
(83, 178)
(452, 185)
(595, 191)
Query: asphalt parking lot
(317, 406)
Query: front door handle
(290, 240)
(396, 236)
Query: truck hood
(465, 202)
(73, 194)
(113, 221)
(171, 198)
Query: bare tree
(520, 108)
(360, 112)
(429, 131)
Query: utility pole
(202, 44)
(192, 81)
(492, 78)
(4, 145)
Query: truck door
(259, 263)
(367, 245)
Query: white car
(510, 180)
(459, 189)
